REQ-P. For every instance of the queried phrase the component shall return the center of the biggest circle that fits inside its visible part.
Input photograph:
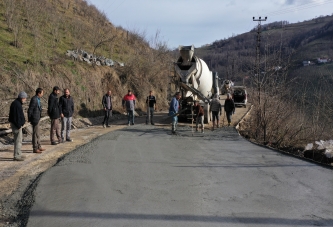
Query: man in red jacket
(129, 104)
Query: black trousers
(108, 114)
(229, 114)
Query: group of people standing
(215, 108)
(129, 102)
(58, 108)
(62, 109)
(229, 109)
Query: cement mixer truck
(195, 81)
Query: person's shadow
(6, 159)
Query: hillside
(288, 44)
(34, 38)
(293, 104)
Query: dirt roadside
(16, 177)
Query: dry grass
(49, 28)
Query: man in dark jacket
(34, 115)
(54, 114)
(107, 105)
(17, 120)
(229, 108)
(151, 106)
(66, 106)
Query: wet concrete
(143, 175)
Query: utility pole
(257, 70)
(257, 74)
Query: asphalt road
(144, 176)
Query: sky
(200, 22)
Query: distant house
(322, 60)
(306, 63)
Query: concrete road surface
(144, 176)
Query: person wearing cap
(216, 109)
(54, 114)
(173, 110)
(34, 115)
(128, 103)
(17, 120)
(199, 116)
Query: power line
(299, 7)
(116, 7)
(257, 62)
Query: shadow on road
(184, 218)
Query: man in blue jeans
(128, 103)
(66, 107)
(173, 110)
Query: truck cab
(239, 95)
(195, 81)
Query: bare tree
(13, 20)
(10, 12)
